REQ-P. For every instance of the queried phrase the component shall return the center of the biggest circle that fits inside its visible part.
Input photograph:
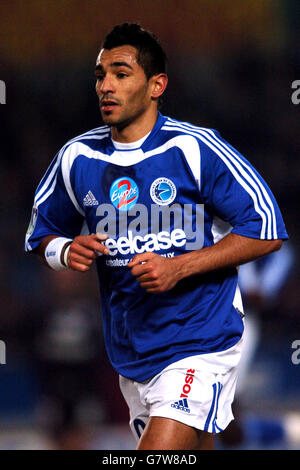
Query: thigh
(185, 404)
(168, 434)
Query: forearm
(232, 250)
(77, 254)
(40, 250)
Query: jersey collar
(158, 125)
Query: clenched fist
(85, 249)
(155, 273)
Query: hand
(85, 249)
(155, 273)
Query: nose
(106, 85)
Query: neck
(136, 129)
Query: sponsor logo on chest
(134, 227)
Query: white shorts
(197, 391)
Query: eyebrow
(114, 64)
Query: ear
(159, 84)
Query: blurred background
(231, 68)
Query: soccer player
(169, 212)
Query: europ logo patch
(124, 193)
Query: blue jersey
(180, 189)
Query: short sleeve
(236, 192)
(53, 212)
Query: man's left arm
(158, 274)
(236, 193)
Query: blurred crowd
(57, 373)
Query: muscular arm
(232, 250)
(158, 274)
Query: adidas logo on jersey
(181, 405)
(90, 200)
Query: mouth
(108, 105)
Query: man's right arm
(83, 250)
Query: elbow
(275, 245)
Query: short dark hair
(151, 56)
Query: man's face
(122, 87)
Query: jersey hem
(175, 358)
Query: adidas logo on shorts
(181, 405)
